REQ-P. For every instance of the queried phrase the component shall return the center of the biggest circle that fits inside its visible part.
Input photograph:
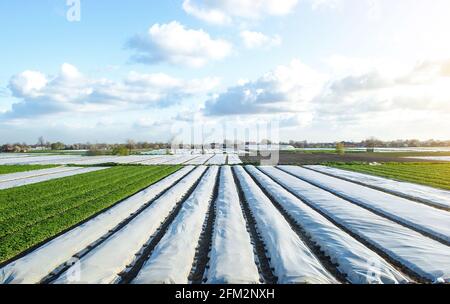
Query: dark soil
(289, 158)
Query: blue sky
(320, 70)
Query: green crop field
(431, 174)
(34, 213)
(6, 169)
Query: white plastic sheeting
(233, 159)
(37, 159)
(291, 259)
(217, 159)
(103, 264)
(232, 260)
(13, 155)
(32, 173)
(55, 160)
(95, 160)
(154, 160)
(181, 160)
(432, 196)
(185, 158)
(168, 159)
(200, 160)
(33, 267)
(135, 159)
(157, 159)
(353, 259)
(424, 256)
(172, 259)
(422, 217)
(37, 178)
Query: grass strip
(429, 174)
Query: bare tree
(41, 141)
(130, 145)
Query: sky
(192, 70)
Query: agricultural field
(15, 169)
(176, 159)
(314, 157)
(34, 213)
(18, 179)
(433, 158)
(429, 174)
(225, 224)
(29, 159)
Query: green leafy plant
(34, 213)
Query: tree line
(129, 146)
(373, 142)
(91, 148)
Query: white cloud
(253, 40)
(167, 83)
(341, 97)
(223, 11)
(417, 88)
(242, 81)
(210, 15)
(370, 80)
(27, 83)
(283, 90)
(295, 121)
(176, 44)
(427, 71)
(70, 72)
(71, 91)
(360, 101)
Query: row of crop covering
(36, 160)
(173, 257)
(428, 195)
(350, 256)
(232, 260)
(43, 176)
(295, 263)
(104, 263)
(7, 169)
(27, 175)
(417, 216)
(416, 253)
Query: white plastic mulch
(104, 263)
(32, 177)
(353, 259)
(291, 259)
(432, 196)
(422, 217)
(172, 259)
(426, 257)
(232, 260)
